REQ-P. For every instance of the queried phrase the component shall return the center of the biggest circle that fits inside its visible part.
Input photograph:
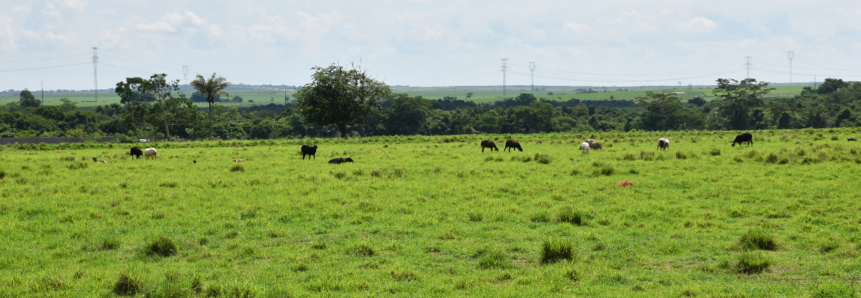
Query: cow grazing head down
(488, 144)
(512, 144)
(663, 143)
(340, 160)
(585, 147)
(594, 144)
(310, 151)
(150, 153)
(743, 138)
(136, 152)
(851, 139)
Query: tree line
(345, 101)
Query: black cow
(851, 139)
(136, 152)
(512, 144)
(309, 150)
(488, 144)
(742, 138)
(340, 160)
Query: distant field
(418, 216)
(480, 94)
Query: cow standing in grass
(488, 144)
(512, 144)
(743, 138)
(585, 147)
(594, 144)
(851, 139)
(663, 143)
(150, 153)
(310, 151)
(136, 152)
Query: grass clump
(771, 158)
(605, 170)
(553, 251)
(109, 244)
(757, 239)
(161, 246)
(127, 285)
(714, 152)
(833, 290)
(752, 263)
(473, 216)
(542, 158)
(362, 250)
(493, 260)
(568, 215)
(681, 155)
(539, 217)
(237, 168)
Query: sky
(429, 43)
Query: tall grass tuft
(771, 158)
(568, 215)
(161, 246)
(605, 170)
(757, 239)
(752, 263)
(681, 155)
(542, 158)
(362, 250)
(237, 168)
(127, 285)
(553, 251)
(493, 260)
(714, 152)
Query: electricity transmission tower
(747, 66)
(532, 75)
(95, 71)
(185, 75)
(503, 69)
(790, 55)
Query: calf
(488, 144)
(512, 144)
(663, 143)
(743, 138)
(585, 146)
(136, 152)
(310, 151)
(340, 160)
(150, 153)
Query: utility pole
(747, 66)
(532, 75)
(503, 69)
(95, 71)
(43, 91)
(790, 55)
(185, 75)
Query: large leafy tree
(339, 96)
(738, 98)
(145, 97)
(27, 100)
(210, 88)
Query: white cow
(150, 153)
(663, 143)
(585, 147)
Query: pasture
(435, 217)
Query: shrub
(127, 285)
(568, 215)
(757, 239)
(161, 246)
(493, 259)
(556, 250)
(237, 168)
(715, 152)
(752, 262)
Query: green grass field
(480, 94)
(436, 217)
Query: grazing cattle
(488, 144)
(594, 144)
(585, 146)
(512, 144)
(95, 159)
(742, 138)
(195, 161)
(136, 152)
(625, 183)
(236, 160)
(150, 153)
(310, 151)
(340, 160)
(663, 143)
(851, 139)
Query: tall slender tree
(210, 89)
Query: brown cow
(488, 144)
(594, 144)
(512, 144)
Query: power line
(46, 67)
(40, 59)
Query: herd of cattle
(311, 151)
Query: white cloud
(185, 21)
(46, 36)
(50, 11)
(160, 26)
(73, 4)
(574, 26)
(696, 25)
(7, 34)
(21, 9)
